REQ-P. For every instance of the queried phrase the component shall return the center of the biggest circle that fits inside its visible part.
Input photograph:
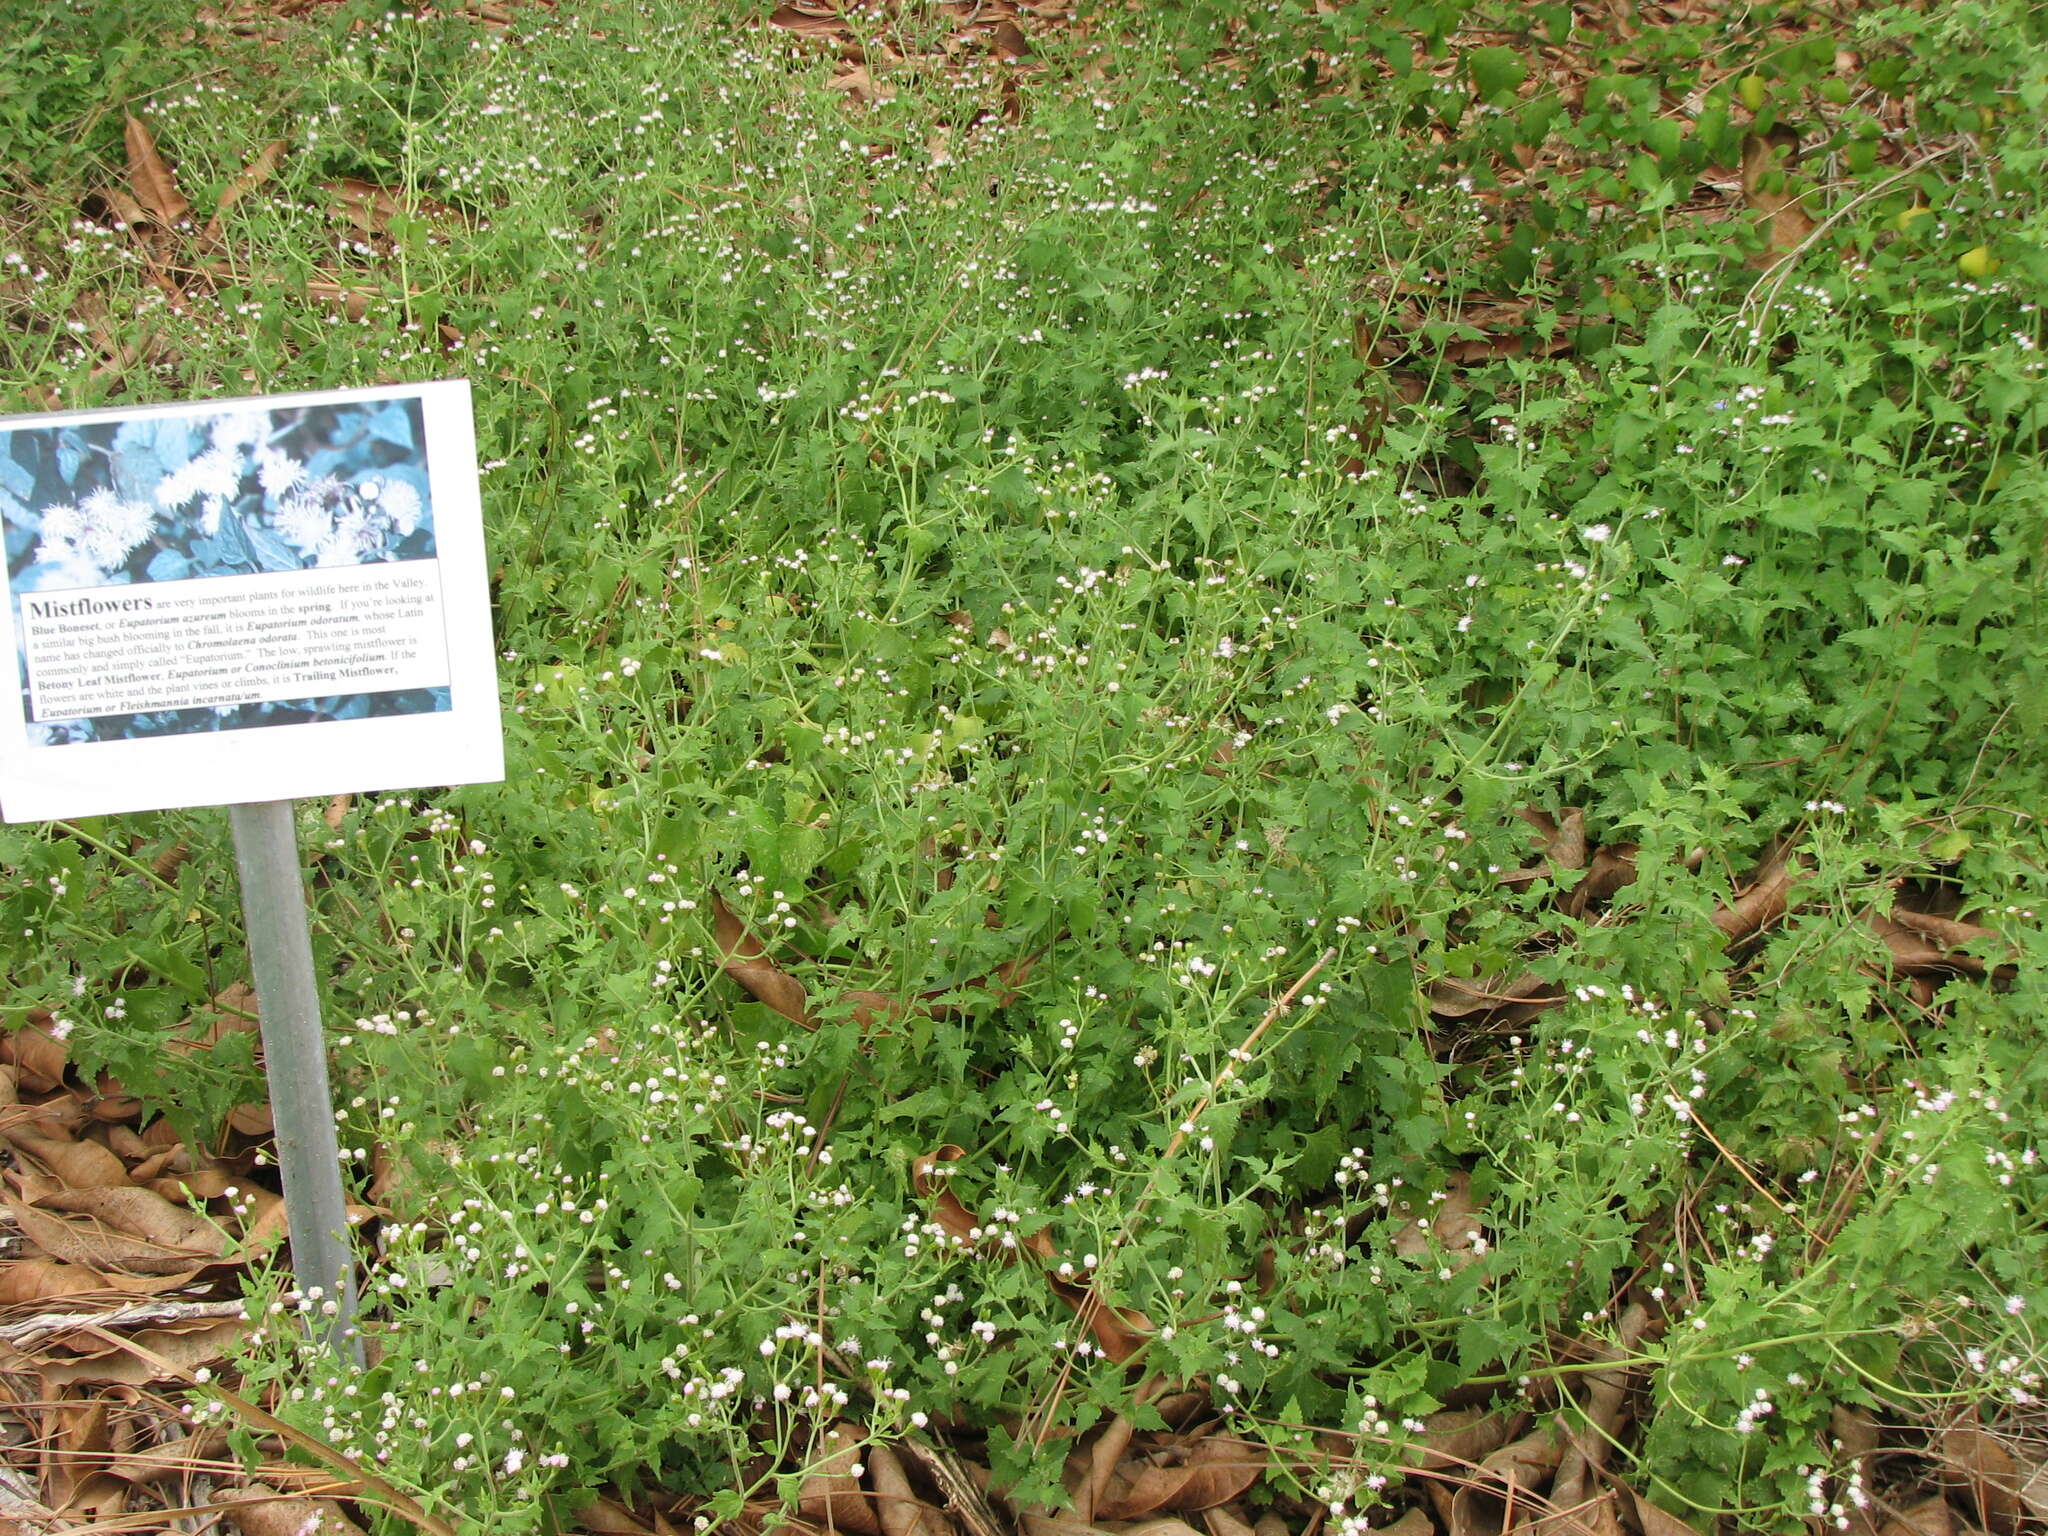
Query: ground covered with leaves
(1272, 770)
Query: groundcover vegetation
(1267, 765)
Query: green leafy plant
(1006, 568)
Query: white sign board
(244, 600)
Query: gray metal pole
(295, 1059)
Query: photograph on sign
(301, 573)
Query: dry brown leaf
(897, 1506)
(810, 20)
(1604, 1410)
(1767, 160)
(1009, 42)
(186, 1349)
(60, 1114)
(1578, 1516)
(260, 1510)
(1463, 351)
(1985, 1469)
(1460, 1438)
(74, 1431)
(369, 207)
(153, 1165)
(38, 1057)
(1451, 1228)
(80, 1164)
(958, 1221)
(1270, 1524)
(1854, 1428)
(858, 83)
(269, 1226)
(233, 1013)
(1945, 931)
(1654, 1520)
(1216, 1470)
(1182, 1411)
(1927, 1517)
(608, 1517)
(742, 957)
(1415, 1523)
(128, 1144)
(355, 302)
(831, 1494)
(1222, 1521)
(1505, 328)
(97, 1246)
(1613, 866)
(2034, 1493)
(179, 1457)
(1452, 997)
(126, 211)
(142, 1213)
(252, 1120)
(1565, 848)
(873, 1008)
(1091, 1468)
(1119, 1331)
(112, 1109)
(155, 188)
(392, 1178)
(201, 1184)
(253, 175)
(1508, 1478)
(27, 1282)
(1913, 953)
(97, 1497)
(1765, 901)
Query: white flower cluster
(336, 522)
(100, 532)
(214, 478)
(342, 525)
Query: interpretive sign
(244, 600)
(239, 603)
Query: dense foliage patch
(1011, 560)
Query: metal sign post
(242, 603)
(295, 1059)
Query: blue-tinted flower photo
(248, 491)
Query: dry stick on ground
(1092, 1304)
(148, 1314)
